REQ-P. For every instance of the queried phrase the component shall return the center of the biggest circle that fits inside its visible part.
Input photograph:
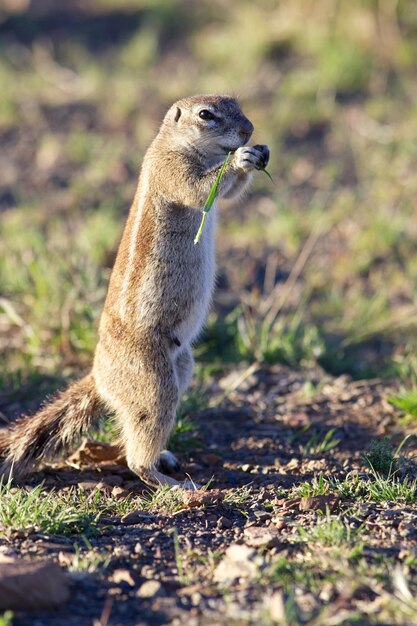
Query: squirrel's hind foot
(168, 462)
(156, 479)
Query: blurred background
(317, 268)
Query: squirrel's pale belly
(177, 292)
(203, 284)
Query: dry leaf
(96, 452)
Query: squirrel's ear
(177, 114)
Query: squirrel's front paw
(249, 158)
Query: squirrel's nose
(245, 134)
(246, 130)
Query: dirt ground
(254, 460)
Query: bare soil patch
(231, 554)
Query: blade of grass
(211, 198)
(213, 193)
(262, 169)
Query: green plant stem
(211, 198)
(200, 230)
(262, 169)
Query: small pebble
(150, 589)
(262, 515)
(224, 522)
(136, 517)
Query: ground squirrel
(159, 293)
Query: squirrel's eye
(206, 115)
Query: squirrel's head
(214, 125)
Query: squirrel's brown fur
(158, 297)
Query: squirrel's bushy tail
(51, 430)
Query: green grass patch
(407, 402)
(318, 443)
(380, 457)
(87, 560)
(329, 531)
(372, 488)
(288, 573)
(319, 486)
(166, 499)
(49, 512)
(392, 489)
(75, 511)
